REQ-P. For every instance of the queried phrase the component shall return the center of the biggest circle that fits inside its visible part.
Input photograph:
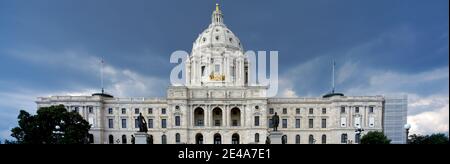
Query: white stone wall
(247, 100)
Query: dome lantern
(217, 17)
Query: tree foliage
(438, 138)
(375, 137)
(51, 125)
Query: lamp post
(58, 134)
(407, 127)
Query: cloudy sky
(382, 47)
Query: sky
(381, 47)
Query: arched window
(357, 138)
(150, 139)
(163, 139)
(344, 138)
(311, 139)
(217, 139)
(124, 139)
(324, 139)
(235, 117)
(177, 121)
(111, 139)
(91, 138)
(217, 117)
(297, 139)
(177, 138)
(284, 139)
(199, 117)
(235, 138)
(256, 137)
(199, 139)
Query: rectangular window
(233, 71)
(311, 111)
(284, 110)
(217, 69)
(90, 109)
(203, 70)
(136, 123)
(324, 110)
(271, 111)
(177, 121)
(110, 110)
(297, 111)
(124, 123)
(150, 123)
(371, 109)
(357, 110)
(311, 123)
(111, 123)
(124, 111)
(342, 109)
(163, 123)
(324, 123)
(136, 111)
(297, 123)
(285, 123)
(256, 120)
(163, 111)
(150, 111)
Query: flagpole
(101, 75)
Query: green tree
(438, 138)
(375, 137)
(51, 125)
(9, 142)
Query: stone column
(228, 117)
(223, 123)
(191, 114)
(243, 116)
(205, 115)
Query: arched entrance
(235, 117)
(284, 139)
(235, 138)
(91, 138)
(124, 139)
(150, 139)
(199, 117)
(217, 138)
(111, 139)
(217, 117)
(199, 139)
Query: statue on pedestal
(275, 122)
(142, 124)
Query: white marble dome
(217, 35)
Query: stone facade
(342, 114)
(218, 105)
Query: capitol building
(219, 106)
